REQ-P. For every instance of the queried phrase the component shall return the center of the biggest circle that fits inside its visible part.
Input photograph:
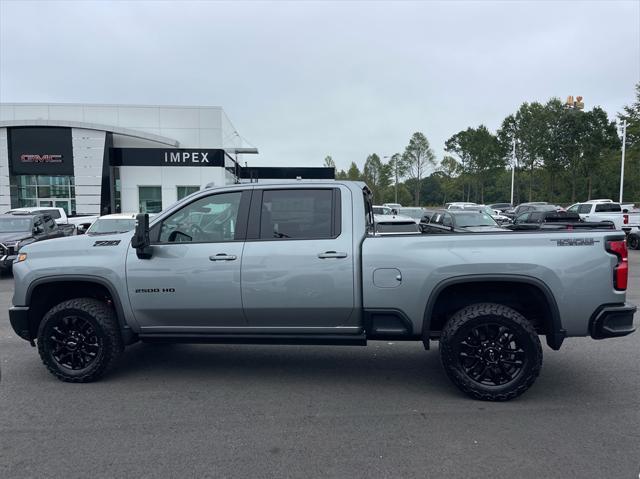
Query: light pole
(624, 140)
(513, 168)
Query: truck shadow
(397, 365)
(389, 368)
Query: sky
(303, 80)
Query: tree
(417, 157)
(376, 176)
(353, 173)
(328, 162)
(449, 169)
(482, 153)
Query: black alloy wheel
(491, 355)
(490, 351)
(79, 340)
(73, 342)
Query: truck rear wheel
(490, 351)
(633, 241)
(79, 340)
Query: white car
(115, 223)
(459, 205)
(415, 213)
(381, 210)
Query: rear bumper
(612, 321)
(19, 318)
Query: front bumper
(612, 321)
(19, 318)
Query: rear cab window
(299, 214)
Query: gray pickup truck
(300, 263)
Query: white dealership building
(97, 159)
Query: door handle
(222, 257)
(332, 254)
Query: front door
(192, 281)
(298, 263)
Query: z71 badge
(107, 243)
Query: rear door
(298, 262)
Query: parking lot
(386, 410)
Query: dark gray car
(18, 230)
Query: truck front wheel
(490, 351)
(79, 340)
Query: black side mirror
(140, 240)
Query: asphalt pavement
(386, 410)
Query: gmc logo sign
(41, 158)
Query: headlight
(20, 258)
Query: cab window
(210, 219)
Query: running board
(334, 340)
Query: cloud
(306, 79)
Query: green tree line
(562, 155)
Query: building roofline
(93, 126)
(118, 105)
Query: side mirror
(140, 240)
(80, 230)
(38, 230)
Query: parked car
(495, 214)
(415, 213)
(68, 224)
(501, 207)
(395, 225)
(523, 208)
(381, 210)
(20, 229)
(460, 221)
(303, 267)
(394, 207)
(601, 211)
(550, 219)
(458, 205)
(115, 223)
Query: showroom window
(150, 199)
(184, 191)
(44, 191)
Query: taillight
(625, 219)
(621, 270)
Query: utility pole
(513, 168)
(624, 140)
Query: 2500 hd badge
(155, 290)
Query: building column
(88, 155)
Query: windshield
(15, 225)
(464, 220)
(381, 210)
(112, 225)
(415, 213)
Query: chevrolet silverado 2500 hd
(300, 263)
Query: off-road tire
(633, 241)
(460, 326)
(104, 328)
